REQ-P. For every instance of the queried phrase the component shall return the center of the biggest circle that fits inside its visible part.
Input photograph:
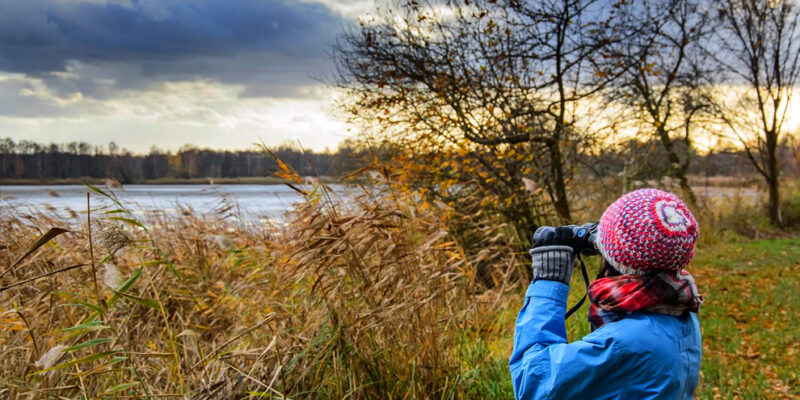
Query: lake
(255, 202)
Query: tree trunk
(678, 170)
(560, 202)
(686, 188)
(775, 217)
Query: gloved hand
(553, 255)
(561, 236)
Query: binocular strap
(586, 281)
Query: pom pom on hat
(647, 230)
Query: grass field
(377, 301)
(751, 319)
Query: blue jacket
(642, 356)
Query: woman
(645, 342)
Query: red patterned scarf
(666, 292)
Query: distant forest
(27, 160)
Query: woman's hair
(607, 270)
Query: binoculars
(584, 234)
(582, 242)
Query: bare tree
(759, 47)
(665, 82)
(497, 79)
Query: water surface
(247, 201)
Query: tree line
(28, 160)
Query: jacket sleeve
(543, 365)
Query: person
(645, 341)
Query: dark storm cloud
(270, 46)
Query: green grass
(750, 319)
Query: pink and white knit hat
(647, 230)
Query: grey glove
(553, 263)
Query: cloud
(31, 98)
(103, 49)
(200, 113)
(348, 8)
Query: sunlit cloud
(198, 113)
(348, 8)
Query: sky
(211, 73)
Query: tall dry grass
(381, 296)
(374, 299)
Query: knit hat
(647, 230)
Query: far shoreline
(253, 180)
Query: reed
(361, 300)
(382, 296)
